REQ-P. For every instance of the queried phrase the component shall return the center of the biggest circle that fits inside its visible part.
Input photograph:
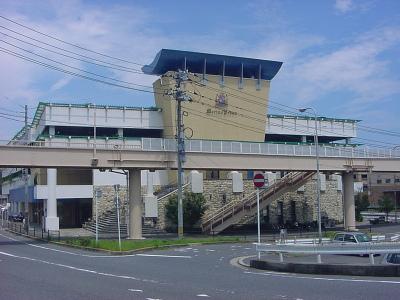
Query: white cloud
(344, 6)
(358, 68)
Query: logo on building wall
(221, 100)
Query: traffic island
(327, 268)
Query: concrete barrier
(328, 269)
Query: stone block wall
(219, 193)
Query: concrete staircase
(108, 226)
(233, 213)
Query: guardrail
(369, 248)
(210, 146)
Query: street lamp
(318, 178)
(395, 191)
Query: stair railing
(248, 202)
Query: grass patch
(127, 245)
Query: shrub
(194, 206)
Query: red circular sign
(259, 180)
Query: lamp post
(395, 191)
(318, 178)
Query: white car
(351, 237)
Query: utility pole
(25, 175)
(180, 96)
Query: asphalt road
(33, 270)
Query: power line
(72, 67)
(72, 57)
(12, 119)
(71, 73)
(247, 94)
(62, 49)
(71, 44)
(361, 127)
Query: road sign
(259, 180)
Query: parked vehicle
(351, 237)
(379, 220)
(391, 258)
(16, 218)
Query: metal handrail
(205, 146)
(172, 192)
(332, 248)
(231, 207)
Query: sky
(340, 57)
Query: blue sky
(340, 57)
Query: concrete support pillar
(150, 201)
(52, 221)
(348, 199)
(150, 189)
(135, 204)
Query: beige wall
(65, 176)
(242, 119)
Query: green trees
(194, 206)
(361, 203)
(386, 205)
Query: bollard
(281, 257)
(20, 228)
(42, 233)
(59, 237)
(319, 261)
(48, 235)
(34, 232)
(371, 259)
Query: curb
(328, 269)
(126, 252)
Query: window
(365, 187)
(364, 176)
(397, 180)
(339, 237)
(394, 258)
(379, 181)
(387, 180)
(349, 238)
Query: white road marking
(211, 250)
(274, 274)
(75, 268)
(162, 255)
(153, 299)
(97, 256)
(133, 290)
(202, 295)
(10, 238)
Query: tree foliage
(361, 203)
(386, 205)
(194, 206)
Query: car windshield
(362, 238)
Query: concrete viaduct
(156, 154)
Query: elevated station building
(229, 102)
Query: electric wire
(72, 57)
(71, 52)
(68, 43)
(4, 50)
(72, 67)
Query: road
(34, 270)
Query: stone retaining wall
(219, 193)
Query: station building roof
(213, 64)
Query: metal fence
(209, 146)
(49, 235)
